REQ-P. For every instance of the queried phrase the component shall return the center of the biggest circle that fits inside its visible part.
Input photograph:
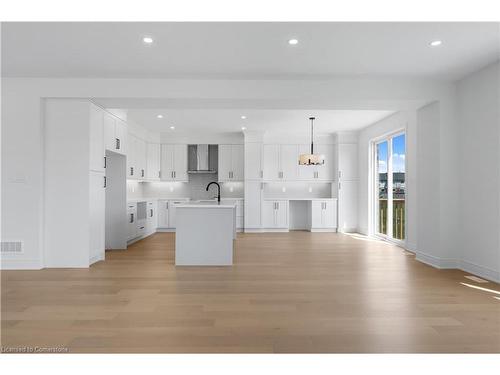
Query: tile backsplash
(194, 189)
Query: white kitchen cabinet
(348, 161)
(151, 217)
(136, 158)
(271, 162)
(253, 161)
(97, 151)
(115, 134)
(281, 162)
(289, 161)
(347, 185)
(153, 161)
(172, 210)
(97, 216)
(348, 207)
(174, 162)
(275, 214)
(131, 157)
(253, 204)
(325, 172)
(131, 221)
(231, 163)
(323, 214)
(163, 214)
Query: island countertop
(206, 204)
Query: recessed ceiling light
(243, 128)
(243, 117)
(293, 42)
(172, 127)
(436, 43)
(147, 40)
(160, 116)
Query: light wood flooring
(287, 292)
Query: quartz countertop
(299, 199)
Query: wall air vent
(11, 247)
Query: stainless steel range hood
(202, 158)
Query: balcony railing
(398, 218)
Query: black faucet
(218, 189)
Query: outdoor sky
(398, 155)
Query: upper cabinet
(136, 158)
(348, 161)
(174, 163)
(97, 152)
(325, 172)
(253, 161)
(281, 162)
(231, 163)
(153, 161)
(115, 134)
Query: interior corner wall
(428, 182)
(479, 161)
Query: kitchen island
(205, 231)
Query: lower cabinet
(275, 214)
(324, 214)
(163, 214)
(151, 217)
(131, 221)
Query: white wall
(22, 141)
(479, 160)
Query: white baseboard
(165, 230)
(349, 230)
(21, 264)
(431, 260)
(323, 230)
(481, 271)
(96, 258)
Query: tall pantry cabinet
(74, 189)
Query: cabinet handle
(117, 143)
(142, 172)
(159, 174)
(172, 174)
(166, 205)
(339, 185)
(104, 181)
(105, 162)
(340, 174)
(131, 218)
(175, 174)
(151, 214)
(261, 174)
(131, 171)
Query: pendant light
(312, 159)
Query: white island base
(204, 234)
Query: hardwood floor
(287, 292)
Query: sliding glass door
(390, 192)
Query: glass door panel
(398, 157)
(381, 186)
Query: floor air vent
(11, 247)
(476, 279)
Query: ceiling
(247, 50)
(229, 120)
